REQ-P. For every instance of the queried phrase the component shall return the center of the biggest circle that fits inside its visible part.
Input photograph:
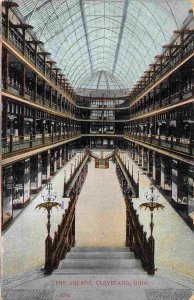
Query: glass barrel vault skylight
(104, 44)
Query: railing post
(48, 255)
(31, 142)
(73, 231)
(151, 266)
(151, 242)
(171, 142)
(127, 225)
(11, 143)
(191, 145)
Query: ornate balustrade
(71, 185)
(64, 236)
(15, 87)
(183, 145)
(136, 239)
(126, 180)
(11, 146)
(187, 49)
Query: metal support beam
(121, 33)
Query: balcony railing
(14, 144)
(16, 39)
(183, 145)
(29, 94)
(188, 48)
(174, 98)
(14, 87)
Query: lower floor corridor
(100, 211)
(99, 266)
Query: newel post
(48, 255)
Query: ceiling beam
(81, 3)
(124, 17)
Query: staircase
(82, 260)
(96, 273)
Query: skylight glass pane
(115, 40)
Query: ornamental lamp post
(151, 205)
(48, 204)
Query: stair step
(99, 254)
(70, 271)
(100, 249)
(99, 263)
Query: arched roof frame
(144, 55)
(125, 57)
(125, 71)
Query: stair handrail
(76, 172)
(136, 238)
(126, 174)
(56, 248)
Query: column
(36, 173)
(175, 180)
(6, 68)
(59, 161)
(23, 80)
(133, 152)
(39, 177)
(63, 155)
(139, 155)
(27, 182)
(67, 153)
(191, 192)
(162, 177)
(45, 166)
(53, 162)
(7, 196)
(22, 183)
(154, 165)
(148, 162)
(51, 97)
(144, 159)
(48, 170)
(136, 154)
(35, 85)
